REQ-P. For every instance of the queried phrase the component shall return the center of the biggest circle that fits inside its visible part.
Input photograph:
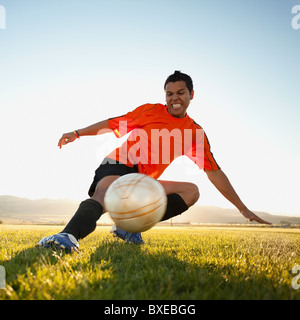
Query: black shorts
(110, 167)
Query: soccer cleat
(63, 241)
(126, 236)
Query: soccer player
(158, 135)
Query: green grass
(175, 263)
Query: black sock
(84, 220)
(175, 206)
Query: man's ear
(192, 94)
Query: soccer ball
(135, 202)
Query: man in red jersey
(151, 128)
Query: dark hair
(179, 76)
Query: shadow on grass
(138, 273)
(122, 271)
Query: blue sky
(67, 64)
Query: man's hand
(66, 138)
(95, 129)
(251, 216)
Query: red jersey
(157, 138)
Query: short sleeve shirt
(157, 138)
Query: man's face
(178, 98)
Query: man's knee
(101, 188)
(192, 194)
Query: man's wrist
(76, 134)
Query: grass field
(174, 263)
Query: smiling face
(178, 98)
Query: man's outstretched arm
(97, 128)
(222, 183)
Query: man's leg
(89, 211)
(180, 195)
(102, 187)
(84, 220)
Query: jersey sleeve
(209, 160)
(134, 119)
(200, 152)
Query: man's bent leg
(180, 196)
(175, 206)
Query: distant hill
(22, 210)
(49, 211)
(16, 205)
